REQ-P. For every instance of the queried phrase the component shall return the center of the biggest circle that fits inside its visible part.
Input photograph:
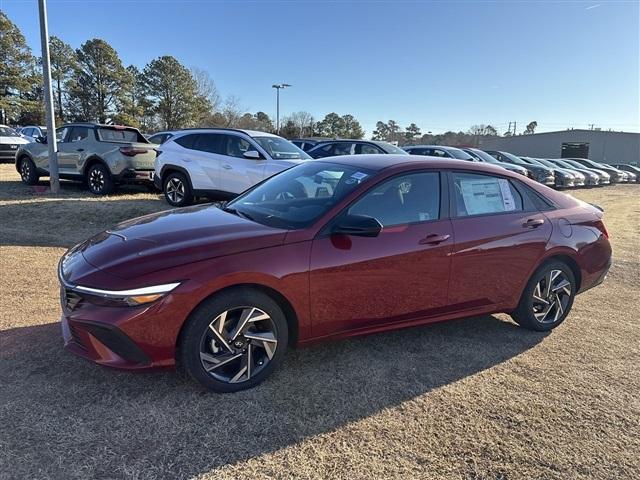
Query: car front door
(400, 275)
(499, 238)
(73, 149)
(237, 173)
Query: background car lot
(467, 399)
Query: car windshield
(514, 159)
(485, 157)
(298, 196)
(546, 162)
(8, 132)
(564, 164)
(391, 148)
(279, 148)
(459, 154)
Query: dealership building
(597, 145)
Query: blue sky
(442, 65)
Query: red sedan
(344, 246)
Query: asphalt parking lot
(477, 398)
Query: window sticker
(486, 195)
(359, 176)
(507, 196)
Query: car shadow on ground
(56, 406)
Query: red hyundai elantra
(343, 246)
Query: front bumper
(8, 154)
(103, 344)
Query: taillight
(599, 224)
(132, 151)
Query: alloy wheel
(551, 297)
(96, 180)
(175, 190)
(25, 171)
(238, 344)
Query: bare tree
(206, 87)
(302, 121)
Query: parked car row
(220, 163)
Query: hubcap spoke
(551, 296)
(238, 344)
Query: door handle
(434, 239)
(80, 150)
(533, 223)
(226, 166)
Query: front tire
(28, 172)
(548, 297)
(177, 190)
(99, 181)
(233, 341)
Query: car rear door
(197, 155)
(499, 238)
(400, 275)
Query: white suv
(219, 163)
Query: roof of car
(382, 161)
(251, 133)
(443, 147)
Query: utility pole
(48, 99)
(278, 86)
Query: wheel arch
(282, 301)
(19, 156)
(566, 257)
(169, 168)
(92, 160)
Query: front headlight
(125, 298)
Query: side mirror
(41, 139)
(357, 225)
(252, 155)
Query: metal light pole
(278, 86)
(48, 99)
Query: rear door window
(209, 142)
(477, 194)
(120, 135)
(187, 141)
(367, 149)
(78, 134)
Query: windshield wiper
(238, 213)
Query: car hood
(13, 140)
(175, 237)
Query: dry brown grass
(478, 398)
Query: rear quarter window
(187, 141)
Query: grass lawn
(471, 399)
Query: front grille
(9, 146)
(69, 299)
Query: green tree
(531, 128)
(134, 106)
(336, 126)
(174, 91)
(412, 132)
(97, 82)
(352, 128)
(18, 72)
(381, 132)
(63, 65)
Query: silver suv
(100, 155)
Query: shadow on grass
(106, 423)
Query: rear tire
(99, 181)
(177, 190)
(28, 172)
(548, 297)
(210, 353)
